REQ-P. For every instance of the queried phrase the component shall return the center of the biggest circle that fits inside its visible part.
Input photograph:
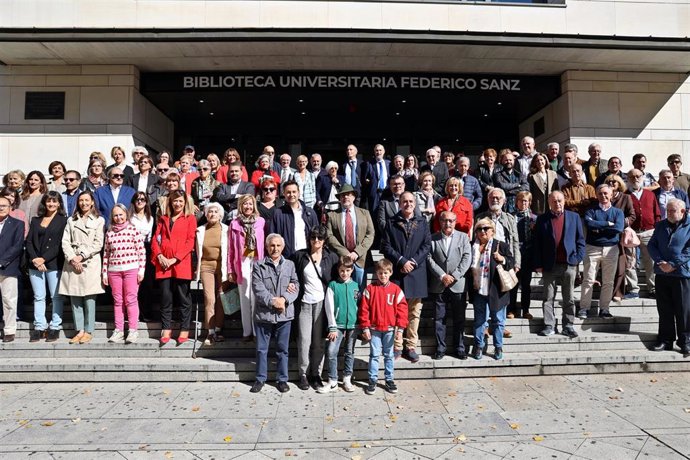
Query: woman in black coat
(45, 259)
(489, 301)
(315, 266)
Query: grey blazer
(455, 262)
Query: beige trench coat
(82, 237)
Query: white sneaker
(347, 384)
(117, 337)
(132, 336)
(332, 385)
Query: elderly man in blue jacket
(669, 248)
(559, 246)
(604, 227)
(275, 285)
(11, 247)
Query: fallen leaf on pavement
(355, 445)
(235, 394)
(356, 457)
(47, 423)
(514, 426)
(460, 438)
(76, 420)
(653, 380)
(227, 438)
(24, 422)
(168, 454)
(619, 389)
(196, 409)
(538, 438)
(289, 453)
(336, 430)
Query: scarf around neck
(249, 233)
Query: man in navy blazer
(352, 170)
(11, 247)
(559, 247)
(107, 196)
(376, 178)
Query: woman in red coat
(455, 202)
(171, 251)
(263, 170)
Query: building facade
(169, 73)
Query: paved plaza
(614, 416)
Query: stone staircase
(619, 344)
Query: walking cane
(197, 325)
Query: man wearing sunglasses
(681, 179)
(69, 196)
(115, 192)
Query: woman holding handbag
(245, 247)
(489, 298)
(211, 269)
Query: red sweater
(177, 243)
(462, 210)
(647, 211)
(383, 307)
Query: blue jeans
(381, 340)
(334, 347)
(497, 321)
(84, 313)
(38, 285)
(264, 333)
(359, 277)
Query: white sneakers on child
(347, 384)
(117, 337)
(132, 336)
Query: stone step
(213, 369)
(232, 348)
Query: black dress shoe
(283, 387)
(685, 350)
(316, 382)
(661, 346)
(256, 387)
(53, 335)
(35, 336)
(303, 383)
(439, 355)
(462, 355)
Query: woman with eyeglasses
(171, 248)
(124, 264)
(34, 188)
(489, 302)
(245, 247)
(82, 242)
(170, 184)
(118, 154)
(314, 266)
(542, 181)
(202, 188)
(96, 177)
(456, 203)
(57, 172)
(624, 202)
(230, 156)
(45, 257)
(145, 180)
(263, 171)
(141, 217)
(268, 199)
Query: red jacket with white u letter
(383, 307)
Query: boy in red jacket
(382, 315)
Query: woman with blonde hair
(211, 269)
(230, 156)
(124, 265)
(95, 175)
(489, 301)
(455, 202)
(542, 181)
(82, 242)
(245, 248)
(426, 195)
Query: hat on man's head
(189, 147)
(346, 188)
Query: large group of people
(297, 243)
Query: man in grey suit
(449, 259)
(351, 232)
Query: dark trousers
(525, 280)
(146, 288)
(451, 304)
(673, 305)
(264, 333)
(177, 290)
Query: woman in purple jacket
(245, 247)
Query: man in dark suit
(293, 221)
(114, 192)
(228, 194)
(449, 259)
(11, 247)
(356, 244)
(352, 170)
(438, 168)
(407, 242)
(559, 247)
(376, 177)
